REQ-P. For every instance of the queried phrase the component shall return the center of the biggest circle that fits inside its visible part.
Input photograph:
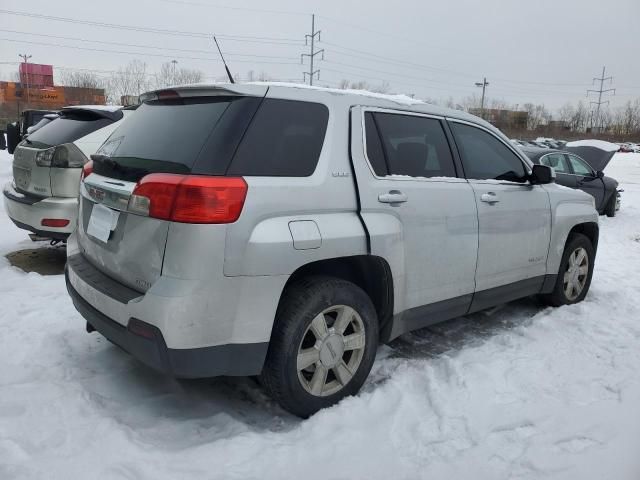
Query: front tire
(574, 275)
(323, 345)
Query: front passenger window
(579, 166)
(485, 157)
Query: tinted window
(190, 135)
(375, 153)
(66, 129)
(284, 139)
(414, 146)
(579, 166)
(485, 157)
(557, 161)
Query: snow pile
(520, 391)
(601, 144)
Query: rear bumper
(27, 212)
(146, 343)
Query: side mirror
(542, 175)
(599, 174)
(13, 137)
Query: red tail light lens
(189, 199)
(54, 222)
(87, 170)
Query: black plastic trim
(98, 280)
(506, 293)
(41, 233)
(151, 349)
(25, 198)
(425, 315)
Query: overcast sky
(540, 51)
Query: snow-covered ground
(519, 392)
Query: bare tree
(80, 79)
(170, 75)
(130, 80)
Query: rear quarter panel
(260, 242)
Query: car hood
(594, 156)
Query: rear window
(216, 136)
(182, 135)
(66, 129)
(285, 139)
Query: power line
(311, 38)
(141, 54)
(228, 7)
(257, 39)
(155, 47)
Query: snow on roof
(600, 144)
(105, 108)
(397, 98)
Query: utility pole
(173, 80)
(312, 52)
(602, 79)
(484, 84)
(26, 57)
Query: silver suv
(285, 232)
(43, 196)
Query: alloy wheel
(575, 277)
(331, 350)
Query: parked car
(574, 172)
(48, 118)
(16, 131)
(43, 196)
(286, 231)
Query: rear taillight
(189, 198)
(87, 170)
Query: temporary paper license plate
(102, 222)
(22, 176)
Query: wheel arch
(369, 272)
(591, 230)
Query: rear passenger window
(485, 157)
(284, 139)
(557, 161)
(411, 145)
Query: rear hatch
(39, 160)
(181, 136)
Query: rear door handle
(394, 196)
(490, 197)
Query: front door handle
(394, 196)
(490, 197)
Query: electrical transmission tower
(602, 90)
(310, 39)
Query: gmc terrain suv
(285, 232)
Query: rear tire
(574, 275)
(323, 344)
